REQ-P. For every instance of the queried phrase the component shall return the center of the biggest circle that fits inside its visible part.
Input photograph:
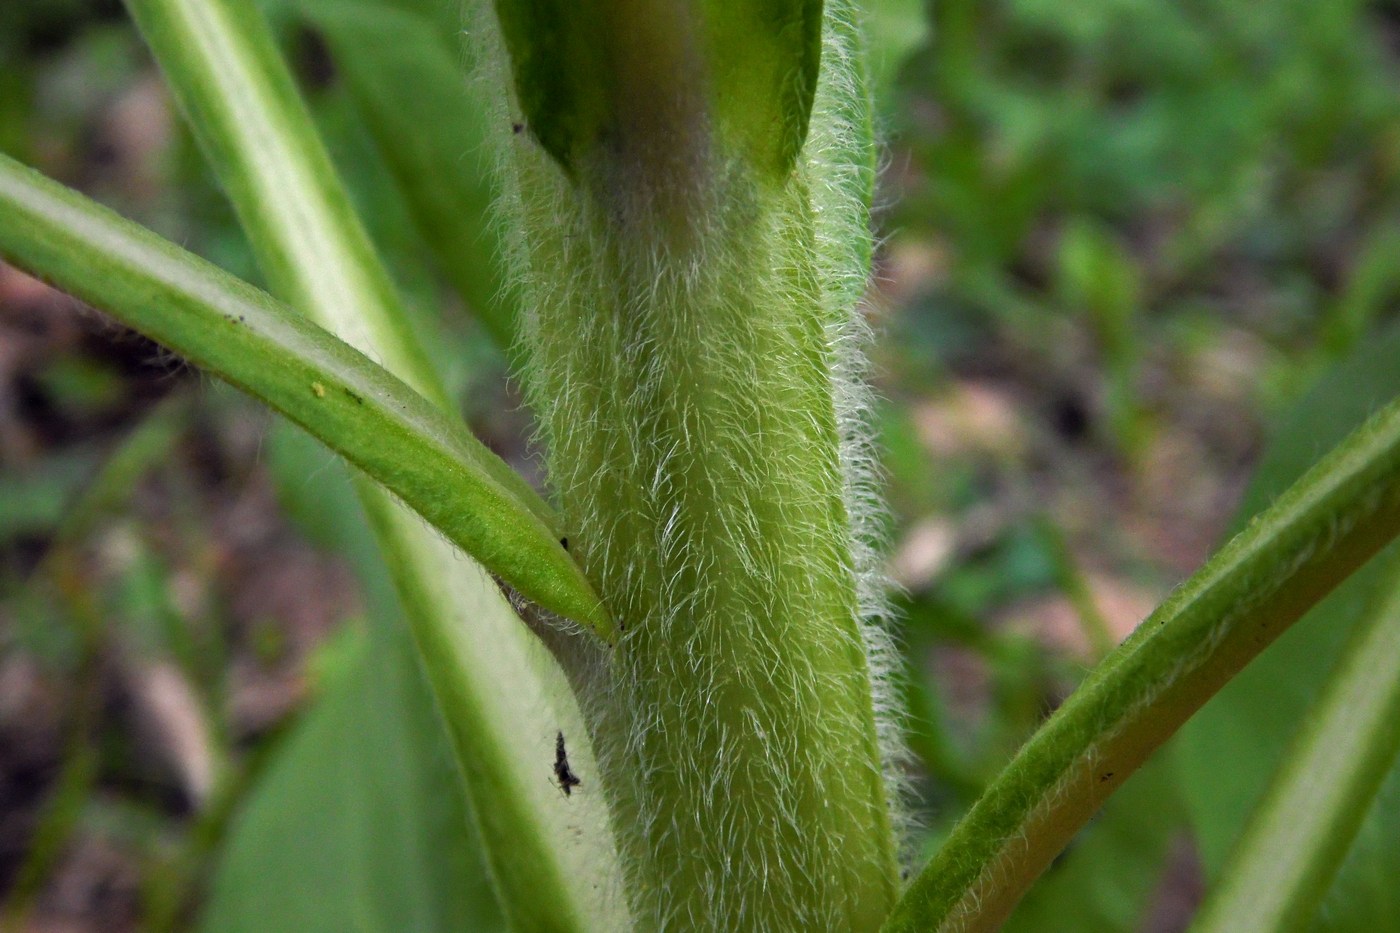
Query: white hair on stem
(668, 501)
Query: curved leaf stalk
(503, 699)
(232, 330)
(1301, 831)
(1325, 526)
(690, 280)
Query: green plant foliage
(1314, 535)
(366, 774)
(359, 824)
(1106, 878)
(406, 77)
(255, 129)
(1297, 837)
(742, 72)
(332, 390)
(1233, 746)
(1116, 188)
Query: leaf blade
(1324, 527)
(1250, 723)
(403, 77)
(1299, 835)
(334, 392)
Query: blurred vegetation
(1122, 238)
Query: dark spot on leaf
(313, 61)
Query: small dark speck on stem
(562, 773)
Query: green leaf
(764, 59)
(499, 735)
(551, 860)
(1106, 879)
(405, 76)
(1233, 746)
(1297, 837)
(240, 334)
(358, 824)
(741, 75)
(1313, 536)
(238, 97)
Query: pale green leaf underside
(357, 835)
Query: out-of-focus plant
(691, 636)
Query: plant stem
(682, 355)
(734, 723)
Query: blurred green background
(1133, 254)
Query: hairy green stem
(682, 355)
(1325, 526)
